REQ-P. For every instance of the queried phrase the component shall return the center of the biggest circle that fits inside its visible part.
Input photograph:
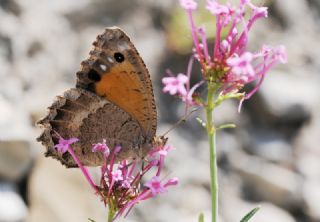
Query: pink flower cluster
(121, 183)
(230, 65)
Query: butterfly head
(159, 141)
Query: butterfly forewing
(115, 70)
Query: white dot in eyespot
(110, 59)
(103, 67)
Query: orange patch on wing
(122, 86)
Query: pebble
(12, 207)
(268, 181)
(311, 196)
(271, 146)
(60, 194)
(268, 212)
(15, 159)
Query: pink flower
(171, 182)
(241, 67)
(188, 4)
(121, 184)
(126, 184)
(64, 144)
(161, 150)
(187, 94)
(224, 45)
(280, 54)
(276, 54)
(101, 147)
(188, 99)
(117, 175)
(164, 151)
(223, 13)
(175, 85)
(261, 11)
(230, 65)
(216, 8)
(257, 11)
(155, 186)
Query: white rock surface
(12, 207)
(311, 194)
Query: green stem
(211, 131)
(111, 212)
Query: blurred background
(271, 159)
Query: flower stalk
(111, 211)
(211, 131)
(225, 72)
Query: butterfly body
(113, 100)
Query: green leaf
(201, 217)
(89, 219)
(227, 126)
(249, 215)
(231, 95)
(202, 123)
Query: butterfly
(113, 100)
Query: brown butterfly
(113, 100)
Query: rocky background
(271, 159)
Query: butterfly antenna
(182, 120)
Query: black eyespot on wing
(119, 57)
(94, 75)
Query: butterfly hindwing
(88, 117)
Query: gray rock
(307, 138)
(307, 151)
(14, 123)
(268, 181)
(315, 3)
(270, 145)
(311, 197)
(191, 198)
(290, 11)
(234, 208)
(12, 207)
(268, 212)
(282, 93)
(15, 159)
(287, 108)
(60, 194)
(308, 165)
(165, 212)
(227, 113)
(186, 155)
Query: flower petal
(188, 4)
